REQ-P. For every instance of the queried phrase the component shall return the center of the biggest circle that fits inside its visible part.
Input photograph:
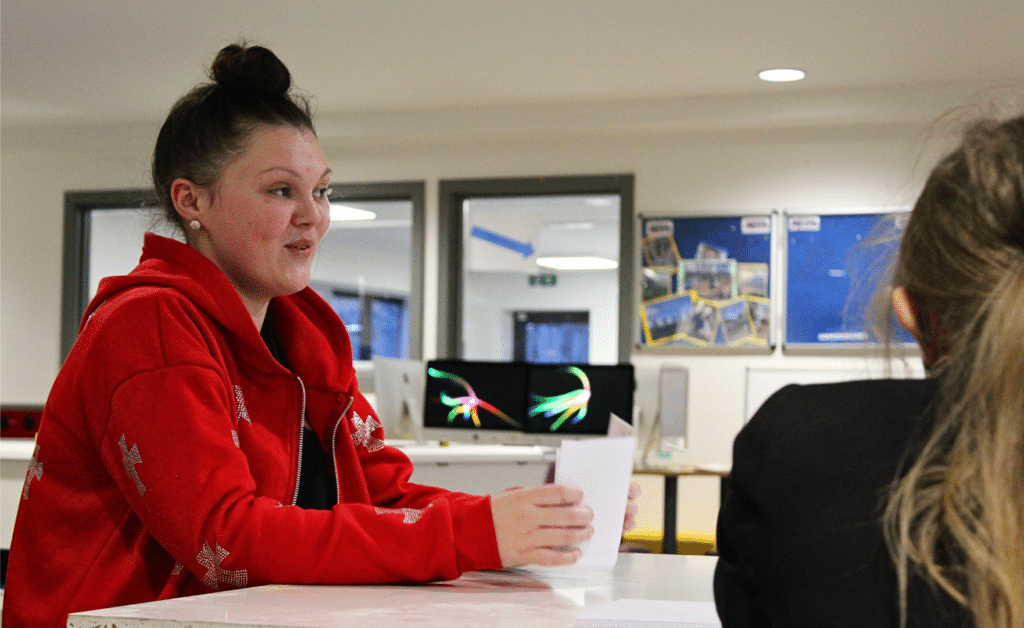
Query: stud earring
(195, 225)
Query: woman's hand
(541, 525)
(631, 507)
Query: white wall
(840, 160)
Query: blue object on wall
(833, 265)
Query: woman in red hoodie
(206, 430)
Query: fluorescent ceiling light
(344, 212)
(577, 263)
(571, 226)
(781, 75)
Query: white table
(520, 598)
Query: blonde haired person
(901, 502)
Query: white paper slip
(617, 427)
(602, 467)
(650, 614)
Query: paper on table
(603, 468)
(650, 614)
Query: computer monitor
(474, 401)
(576, 400)
(398, 385)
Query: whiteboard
(763, 382)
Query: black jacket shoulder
(799, 537)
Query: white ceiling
(102, 60)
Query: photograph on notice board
(759, 318)
(660, 251)
(656, 283)
(668, 318)
(710, 279)
(706, 250)
(752, 279)
(736, 324)
(702, 325)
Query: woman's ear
(905, 311)
(188, 199)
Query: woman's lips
(300, 245)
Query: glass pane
(349, 309)
(390, 331)
(557, 342)
(506, 240)
(115, 241)
(371, 260)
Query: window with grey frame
(520, 220)
(103, 236)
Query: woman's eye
(323, 192)
(283, 192)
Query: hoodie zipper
(302, 437)
(334, 445)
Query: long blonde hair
(957, 514)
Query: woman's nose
(309, 213)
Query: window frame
(451, 195)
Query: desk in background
(672, 475)
(478, 469)
(521, 598)
(15, 454)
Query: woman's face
(264, 218)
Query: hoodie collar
(315, 340)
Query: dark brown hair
(211, 124)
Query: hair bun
(251, 70)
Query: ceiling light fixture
(571, 226)
(577, 263)
(344, 212)
(781, 75)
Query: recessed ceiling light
(577, 263)
(344, 212)
(781, 75)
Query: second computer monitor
(577, 400)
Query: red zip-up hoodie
(168, 458)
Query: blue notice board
(833, 265)
(705, 281)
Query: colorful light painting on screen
(566, 404)
(468, 404)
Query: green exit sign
(547, 279)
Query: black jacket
(799, 536)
